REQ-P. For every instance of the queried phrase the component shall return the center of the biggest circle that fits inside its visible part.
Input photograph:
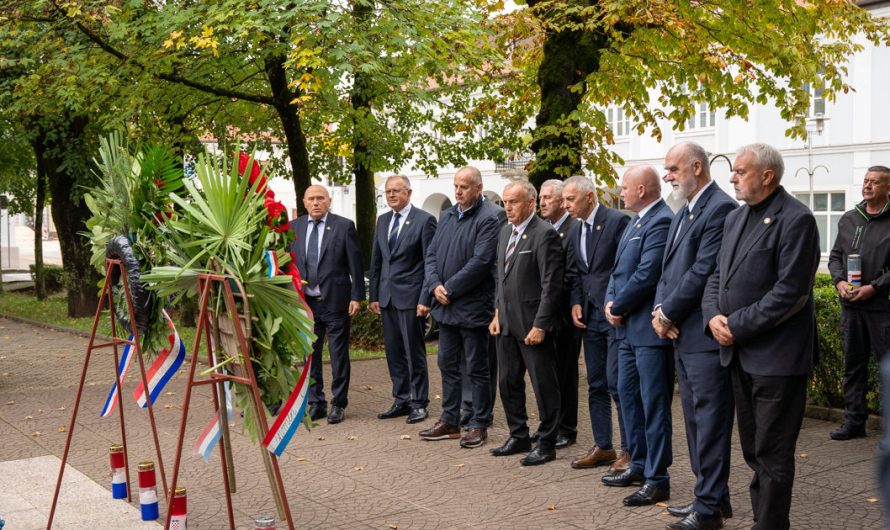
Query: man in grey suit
(705, 389)
(528, 290)
(758, 305)
(400, 242)
(328, 257)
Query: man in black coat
(329, 260)
(460, 278)
(568, 339)
(759, 307)
(529, 280)
(705, 388)
(593, 239)
(396, 292)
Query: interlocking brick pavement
(362, 474)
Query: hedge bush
(827, 384)
(54, 277)
(366, 330)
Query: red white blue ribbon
(164, 367)
(271, 263)
(291, 414)
(126, 358)
(212, 432)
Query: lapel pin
(767, 221)
(599, 227)
(638, 225)
(524, 236)
(328, 228)
(562, 236)
(407, 222)
(691, 216)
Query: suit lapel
(745, 246)
(598, 221)
(520, 244)
(690, 219)
(329, 232)
(407, 224)
(638, 227)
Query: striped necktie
(511, 246)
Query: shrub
(366, 330)
(827, 384)
(54, 277)
(822, 280)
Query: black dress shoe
(318, 411)
(539, 456)
(563, 441)
(337, 414)
(848, 431)
(512, 446)
(417, 415)
(697, 521)
(682, 510)
(395, 411)
(622, 480)
(648, 495)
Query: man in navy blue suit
(645, 371)
(705, 388)
(590, 253)
(328, 258)
(400, 242)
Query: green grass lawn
(54, 310)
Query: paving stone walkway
(368, 473)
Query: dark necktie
(589, 242)
(683, 215)
(508, 258)
(394, 231)
(312, 254)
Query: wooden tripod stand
(107, 297)
(217, 377)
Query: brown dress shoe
(473, 438)
(621, 465)
(441, 431)
(594, 458)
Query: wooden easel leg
(226, 438)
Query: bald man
(645, 371)
(329, 260)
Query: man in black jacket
(758, 305)
(460, 278)
(329, 260)
(396, 284)
(865, 309)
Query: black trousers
(770, 412)
(334, 325)
(465, 351)
(466, 405)
(406, 356)
(568, 349)
(863, 332)
(514, 359)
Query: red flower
(295, 276)
(255, 172)
(276, 215)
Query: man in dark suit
(705, 389)
(529, 279)
(645, 370)
(460, 277)
(759, 307)
(568, 340)
(400, 242)
(593, 239)
(328, 258)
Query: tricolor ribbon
(164, 367)
(271, 263)
(213, 431)
(126, 358)
(291, 414)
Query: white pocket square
(525, 251)
(638, 237)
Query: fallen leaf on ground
(368, 387)
(10, 402)
(170, 393)
(459, 465)
(405, 437)
(36, 433)
(804, 455)
(29, 417)
(321, 438)
(350, 437)
(301, 459)
(39, 410)
(61, 408)
(872, 499)
(661, 504)
(551, 507)
(168, 406)
(62, 429)
(394, 526)
(438, 396)
(358, 468)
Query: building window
(817, 100)
(702, 117)
(828, 207)
(618, 121)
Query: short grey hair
(530, 190)
(555, 184)
(403, 178)
(693, 152)
(474, 173)
(765, 157)
(582, 183)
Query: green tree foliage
(657, 60)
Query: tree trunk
(39, 203)
(57, 151)
(297, 151)
(568, 58)
(361, 99)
